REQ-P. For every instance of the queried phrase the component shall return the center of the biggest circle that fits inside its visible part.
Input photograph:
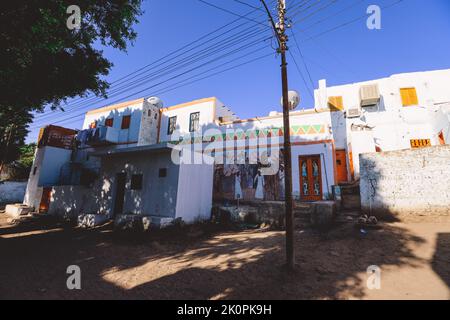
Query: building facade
(171, 162)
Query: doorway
(45, 199)
(310, 178)
(341, 166)
(121, 179)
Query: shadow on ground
(198, 264)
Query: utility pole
(280, 31)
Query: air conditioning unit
(354, 112)
(370, 95)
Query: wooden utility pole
(280, 31)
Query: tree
(20, 168)
(13, 129)
(43, 62)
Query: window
(126, 122)
(136, 182)
(336, 103)
(34, 171)
(109, 122)
(420, 143)
(194, 121)
(172, 125)
(162, 172)
(409, 97)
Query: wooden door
(341, 166)
(120, 193)
(310, 178)
(45, 199)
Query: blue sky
(414, 37)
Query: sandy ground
(206, 263)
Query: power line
(183, 83)
(248, 5)
(218, 46)
(318, 10)
(165, 57)
(231, 12)
(294, 35)
(180, 74)
(301, 75)
(92, 100)
(349, 22)
(303, 59)
(158, 76)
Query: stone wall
(411, 182)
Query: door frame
(309, 168)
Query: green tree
(43, 62)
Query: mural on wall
(248, 182)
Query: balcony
(99, 136)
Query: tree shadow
(214, 265)
(441, 257)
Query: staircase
(351, 199)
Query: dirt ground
(209, 263)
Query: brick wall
(414, 182)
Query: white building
(123, 158)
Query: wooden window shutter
(336, 103)
(126, 122)
(109, 122)
(409, 97)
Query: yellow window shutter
(413, 97)
(409, 97)
(336, 103)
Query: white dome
(294, 99)
(155, 101)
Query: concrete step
(17, 210)
(351, 202)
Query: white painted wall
(72, 200)
(406, 182)
(393, 125)
(158, 196)
(48, 162)
(125, 135)
(207, 117)
(194, 195)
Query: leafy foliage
(43, 62)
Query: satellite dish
(155, 101)
(294, 99)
